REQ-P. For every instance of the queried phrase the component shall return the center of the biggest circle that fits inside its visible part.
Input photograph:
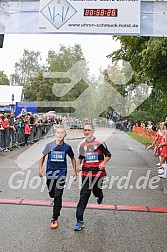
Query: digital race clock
(101, 12)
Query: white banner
(19, 17)
(30, 17)
(160, 19)
(90, 16)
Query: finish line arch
(113, 17)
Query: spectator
(27, 131)
(142, 125)
(149, 125)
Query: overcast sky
(94, 47)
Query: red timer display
(101, 12)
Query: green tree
(38, 90)
(4, 79)
(44, 86)
(147, 57)
(64, 61)
(27, 65)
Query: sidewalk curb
(48, 203)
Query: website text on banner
(96, 16)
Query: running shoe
(6, 150)
(158, 164)
(161, 172)
(162, 176)
(79, 225)
(99, 200)
(54, 224)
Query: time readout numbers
(101, 12)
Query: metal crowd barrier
(9, 138)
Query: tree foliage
(45, 86)
(4, 79)
(27, 65)
(147, 56)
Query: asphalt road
(131, 181)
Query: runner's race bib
(92, 157)
(57, 156)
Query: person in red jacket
(5, 125)
(93, 156)
(27, 132)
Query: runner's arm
(102, 166)
(107, 157)
(79, 167)
(80, 158)
(73, 161)
(41, 161)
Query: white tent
(10, 94)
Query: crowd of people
(160, 148)
(150, 125)
(159, 143)
(30, 127)
(23, 128)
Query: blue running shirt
(57, 162)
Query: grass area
(139, 138)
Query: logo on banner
(58, 12)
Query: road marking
(18, 201)
(133, 208)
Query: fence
(149, 134)
(9, 138)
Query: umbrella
(51, 114)
(5, 110)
